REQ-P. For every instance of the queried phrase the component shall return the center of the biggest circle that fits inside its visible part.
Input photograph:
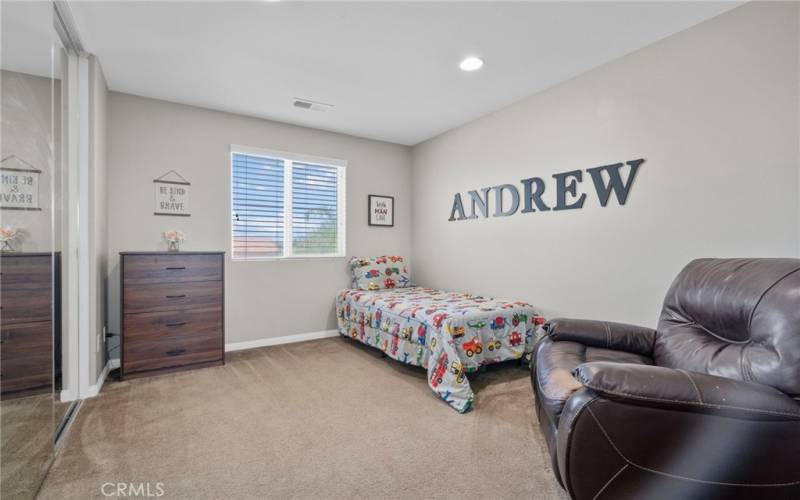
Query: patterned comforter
(449, 334)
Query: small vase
(7, 248)
(173, 246)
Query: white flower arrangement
(8, 235)
(173, 239)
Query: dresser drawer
(23, 269)
(172, 311)
(26, 356)
(149, 327)
(23, 303)
(158, 297)
(164, 268)
(30, 338)
(171, 352)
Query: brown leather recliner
(707, 406)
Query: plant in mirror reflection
(9, 235)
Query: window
(286, 205)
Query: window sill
(288, 259)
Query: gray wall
(28, 104)
(713, 109)
(147, 138)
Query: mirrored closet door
(38, 354)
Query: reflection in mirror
(30, 240)
(61, 386)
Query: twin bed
(449, 334)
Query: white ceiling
(390, 69)
(27, 37)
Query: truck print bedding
(449, 334)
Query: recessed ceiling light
(471, 64)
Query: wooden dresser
(172, 311)
(29, 283)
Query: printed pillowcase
(379, 273)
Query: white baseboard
(238, 346)
(287, 339)
(94, 390)
(67, 396)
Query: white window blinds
(315, 222)
(258, 215)
(276, 199)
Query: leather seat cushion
(555, 362)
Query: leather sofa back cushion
(737, 318)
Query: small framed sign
(19, 181)
(381, 210)
(172, 196)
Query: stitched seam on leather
(577, 414)
(608, 335)
(608, 438)
(580, 410)
(601, 490)
(719, 483)
(719, 337)
(758, 303)
(569, 442)
(611, 442)
(675, 476)
(696, 389)
(705, 405)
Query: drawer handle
(176, 296)
(175, 268)
(180, 323)
(175, 352)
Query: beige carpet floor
(327, 419)
(26, 444)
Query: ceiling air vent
(312, 105)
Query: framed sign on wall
(381, 210)
(172, 195)
(20, 184)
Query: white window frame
(289, 159)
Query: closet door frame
(75, 253)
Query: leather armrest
(617, 336)
(689, 391)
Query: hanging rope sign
(172, 194)
(19, 181)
